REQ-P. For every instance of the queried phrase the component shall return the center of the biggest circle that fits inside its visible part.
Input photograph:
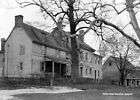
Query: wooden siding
(13, 58)
(90, 65)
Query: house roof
(44, 38)
(48, 39)
(97, 55)
(117, 60)
(85, 46)
(59, 60)
(82, 44)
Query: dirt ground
(84, 95)
(90, 92)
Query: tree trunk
(122, 78)
(130, 6)
(74, 46)
(75, 58)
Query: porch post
(53, 69)
(60, 69)
(131, 82)
(52, 78)
(44, 66)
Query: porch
(54, 69)
(134, 82)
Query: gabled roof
(85, 46)
(82, 44)
(44, 38)
(117, 60)
(97, 55)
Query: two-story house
(110, 69)
(30, 51)
(90, 65)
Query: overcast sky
(9, 9)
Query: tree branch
(120, 30)
(110, 5)
(81, 28)
(134, 22)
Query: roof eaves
(10, 34)
(44, 44)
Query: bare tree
(79, 14)
(123, 52)
(73, 12)
(130, 6)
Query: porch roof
(58, 60)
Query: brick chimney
(81, 37)
(18, 20)
(2, 44)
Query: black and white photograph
(69, 49)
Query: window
(86, 56)
(21, 65)
(81, 71)
(22, 50)
(82, 55)
(86, 71)
(95, 60)
(95, 74)
(90, 71)
(110, 63)
(91, 59)
(98, 61)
